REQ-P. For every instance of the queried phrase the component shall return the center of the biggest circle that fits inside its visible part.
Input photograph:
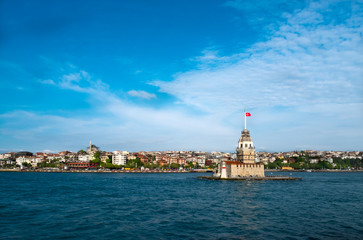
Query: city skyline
(166, 75)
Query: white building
(314, 160)
(5, 156)
(23, 159)
(83, 158)
(201, 161)
(119, 158)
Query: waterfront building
(245, 165)
(201, 161)
(83, 158)
(81, 165)
(23, 159)
(7, 162)
(119, 158)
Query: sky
(160, 75)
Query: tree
(27, 165)
(82, 151)
(278, 162)
(190, 165)
(295, 165)
(271, 165)
(97, 154)
(136, 163)
(174, 166)
(213, 165)
(151, 165)
(96, 157)
(109, 165)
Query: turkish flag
(248, 114)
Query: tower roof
(245, 136)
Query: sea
(323, 205)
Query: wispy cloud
(141, 94)
(114, 123)
(303, 62)
(302, 82)
(47, 81)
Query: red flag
(248, 114)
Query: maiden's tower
(245, 165)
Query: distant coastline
(107, 171)
(165, 171)
(314, 170)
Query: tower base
(236, 169)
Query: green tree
(296, 165)
(300, 159)
(174, 166)
(136, 163)
(271, 165)
(97, 157)
(190, 165)
(110, 165)
(213, 165)
(27, 165)
(152, 165)
(278, 162)
(97, 154)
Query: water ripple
(179, 206)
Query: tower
(245, 149)
(223, 171)
(245, 166)
(92, 148)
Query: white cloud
(113, 124)
(47, 81)
(296, 83)
(141, 94)
(303, 62)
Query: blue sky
(176, 75)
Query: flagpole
(245, 119)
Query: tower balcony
(253, 147)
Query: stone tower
(245, 166)
(245, 149)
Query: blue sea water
(179, 206)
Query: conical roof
(245, 136)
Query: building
(92, 149)
(119, 158)
(286, 168)
(9, 155)
(245, 149)
(83, 158)
(245, 165)
(81, 165)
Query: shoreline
(312, 170)
(105, 171)
(166, 171)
